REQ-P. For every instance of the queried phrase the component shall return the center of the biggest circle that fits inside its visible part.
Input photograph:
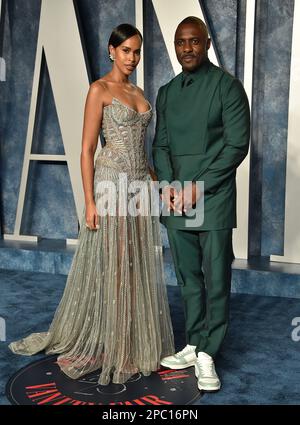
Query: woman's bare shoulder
(98, 92)
(99, 86)
(139, 90)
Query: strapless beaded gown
(114, 313)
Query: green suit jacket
(202, 134)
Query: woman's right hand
(91, 216)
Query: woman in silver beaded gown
(114, 313)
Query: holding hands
(182, 200)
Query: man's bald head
(194, 20)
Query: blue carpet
(259, 362)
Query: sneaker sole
(179, 367)
(210, 389)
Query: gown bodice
(124, 131)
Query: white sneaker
(184, 358)
(206, 374)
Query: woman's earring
(111, 57)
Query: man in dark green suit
(202, 134)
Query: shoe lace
(207, 367)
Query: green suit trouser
(202, 261)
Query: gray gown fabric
(114, 313)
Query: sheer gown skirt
(114, 313)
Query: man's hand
(186, 198)
(167, 196)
